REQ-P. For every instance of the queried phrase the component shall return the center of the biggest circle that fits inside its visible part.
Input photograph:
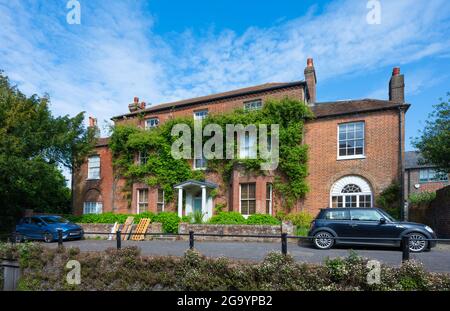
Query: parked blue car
(46, 228)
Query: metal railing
(404, 241)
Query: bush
(227, 218)
(389, 200)
(169, 220)
(43, 269)
(262, 219)
(300, 219)
(422, 197)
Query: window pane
(338, 215)
(251, 191)
(251, 207)
(365, 215)
(244, 191)
(244, 207)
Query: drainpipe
(400, 164)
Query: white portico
(197, 197)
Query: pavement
(436, 260)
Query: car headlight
(428, 229)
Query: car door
(24, 226)
(366, 224)
(339, 222)
(36, 228)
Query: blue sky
(168, 50)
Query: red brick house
(420, 177)
(356, 149)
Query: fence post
(11, 275)
(119, 239)
(60, 238)
(191, 239)
(405, 248)
(284, 243)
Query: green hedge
(421, 197)
(169, 220)
(125, 269)
(235, 218)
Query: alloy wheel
(48, 237)
(417, 242)
(323, 240)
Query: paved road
(437, 260)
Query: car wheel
(323, 240)
(417, 242)
(48, 237)
(19, 238)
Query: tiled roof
(412, 160)
(223, 95)
(336, 108)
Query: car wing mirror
(382, 220)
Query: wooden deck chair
(140, 229)
(114, 229)
(127, 226)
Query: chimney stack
(92, 122)
(136, 105)
(311, 81)
(397, 86)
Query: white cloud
(113, 55)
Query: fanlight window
(351, 188)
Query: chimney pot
(310, 62)
(136, 100)
(396, 71)
(92, 122)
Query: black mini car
(339, 225)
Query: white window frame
(91, 207)
(251, 105)
(247, 149)
(336, 189)
(200, 114)
(356, 156)
(437, 176)
(203, 160)
(240, 199)
(91, 166)
(270, 199)
(149, 120)
(163, 201)
(139, 202)
(140, 158)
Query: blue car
(46, 228)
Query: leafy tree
(34, 145)
(434, 142)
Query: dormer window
(152, 122)
(200, 114)
(253, 105)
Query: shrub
(169, 220)
(300, 219)
(422, 197)
(389, 200)
(125, 269)
(262, 219)
(219, 207)
(228, 218)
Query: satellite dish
(417, 186)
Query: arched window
(351, 191)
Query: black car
(371, 223)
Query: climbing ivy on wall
(164, 171)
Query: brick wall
(412, 179)
(436, 214)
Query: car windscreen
(387, 215)
(54, 219)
